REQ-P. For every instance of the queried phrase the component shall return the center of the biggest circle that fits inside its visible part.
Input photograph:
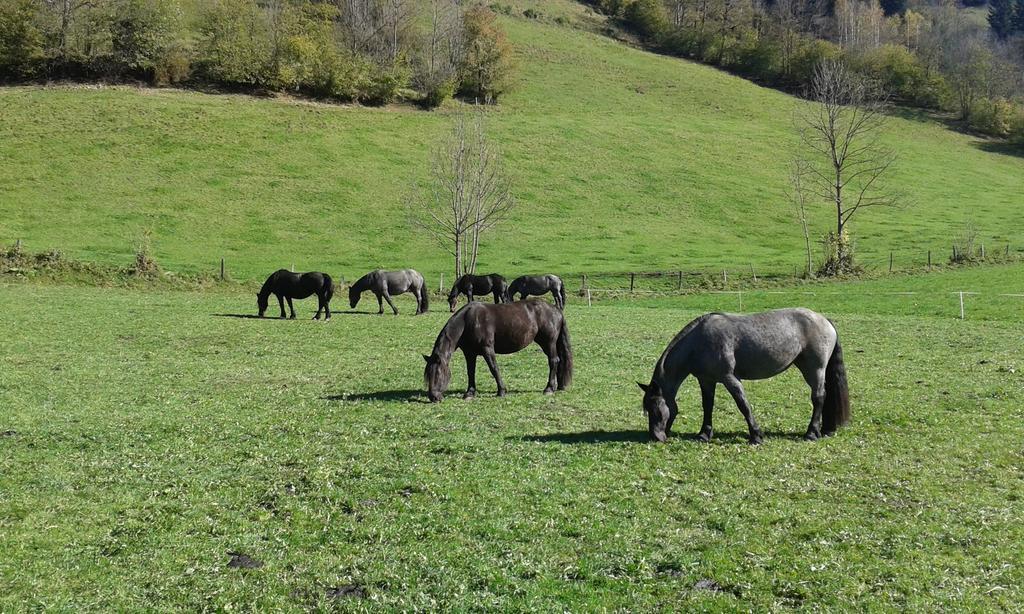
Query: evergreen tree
(1001, 17)
(1018, 17)
(893, 7)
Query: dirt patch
(709, 585)
(8, 433)
(243, 561)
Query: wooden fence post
(222, 269)
(961, 305)
(679, 279)
(440, 288)
(982, 251)
(632, 277)
(725, 277)
(929, 260)
(752, 273)
(890, 261)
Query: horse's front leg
(492, 364)
(735, 388)
(707, 398)
(291, 307)
(470, 375)
(387, 297)
(319, 307)
(380, 305)
(280, 302)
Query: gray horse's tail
(561, 293)
(564, 347)
(424, 297)
(836, 410)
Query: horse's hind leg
(492, 364)
(815, 378)
(551, 350)
(707, 398)
(380, 305)
(291, 307)
(319, 307)
(280, 302)
(327, 308)
(470, 375)
(735, 388)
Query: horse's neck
(362, 283)
(267, 286)
(673, 366)
(449, 337)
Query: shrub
(809, 55)
(236, 46)
(487, 65)
(173, 66)
(21, 42)
(142, 33)
(903, 74)
(648, 19)
(756, 57)
(838, 256)
(997, 117)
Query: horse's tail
(836, 410)
(564, 347)
(561, 293)
(328, 288)
(424, 296)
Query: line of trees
(370, 51)
(929, 56)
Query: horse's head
(437, 376)
(452, 300)
(353, 297)
(261, 303)
(656, 409)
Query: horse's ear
(426, 358)
(643, 387)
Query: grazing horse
(478, 285)
(384, 284)
(537, 285)
(287, 285)
(484, 329)
(719, 348)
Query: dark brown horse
(722, 348)
(478, 285)
(483, 329)
(287, 285)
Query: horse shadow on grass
(410, 395)
(628, 436)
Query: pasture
(673, 165)
(147, 434)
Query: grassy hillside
(622, 160)
(144, 437)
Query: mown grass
(622, 160)
(146, 436)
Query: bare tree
(469, 192)
(799, 196)
(840, 127)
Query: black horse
(537, 285)
(478, 285)
(726, 348)
(482, 329)
(384, 284)
(287, 285)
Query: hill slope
(622, 160)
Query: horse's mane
(659, 366)
(450, 333)
(362, 283)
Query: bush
(21, 42)
(997, 117)
(838, 256)
(487, 66)
(236, 46)
(903, 74)
(173, 66)
(142, 33)
(809, 55)
(648, 19)
(757, 57)
(382, 84)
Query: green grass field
(146, 434)
(671, 165)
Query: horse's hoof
(549, 391)
(704, 436)
(811, 436)
(469, 395)
(756, 439)
(501, 393)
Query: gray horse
(537, 285)
(726, 348)
(385, 284)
